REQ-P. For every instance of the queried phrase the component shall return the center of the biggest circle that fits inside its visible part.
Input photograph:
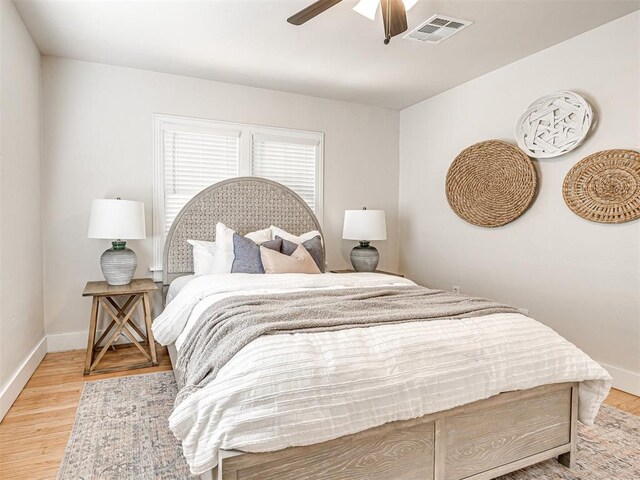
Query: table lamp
(365, 226)
(117, 220)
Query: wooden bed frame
(478, 441)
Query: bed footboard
(479, 441)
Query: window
(192, 162)
(290, 161)
(192, 154)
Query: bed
(446, 428)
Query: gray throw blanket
(228, 325)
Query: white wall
(580, 278)
(22, 343)
(98, 144)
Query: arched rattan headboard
(245, 204)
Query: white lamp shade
(117, 220)
(364, 225)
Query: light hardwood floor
(34, 433)
(624, 401)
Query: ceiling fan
(394, 13)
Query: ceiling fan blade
(367, 8)
(316, 8)
(394, 17)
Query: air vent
(437, 29)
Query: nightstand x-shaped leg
(120, 319)
(120, 314)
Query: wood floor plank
(35, 431)
(618, 397)
(21, 432)
(42, 419)
(632, 406)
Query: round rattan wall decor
(491, 183)
(554, 124)
(605, 187)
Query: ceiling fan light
(369, 8)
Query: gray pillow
(273, 244)
(313, 246)
(247, 254)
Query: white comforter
(305, 388)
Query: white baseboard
(63, 342)
(20, 378)
(624, 379)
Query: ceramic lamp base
(364, 257)
(118, 264)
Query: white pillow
(203, 256)
(218, 256)
(224, 249)
(260, 236)
(278, 232)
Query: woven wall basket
(605, 187)
(554, 124)
(491, 183)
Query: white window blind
(194, 161)
(190, 154)
(291, 161)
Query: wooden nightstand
(103, 295)
(377, 271)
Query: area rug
(121, 432)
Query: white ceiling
(339, 54)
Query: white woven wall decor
(553, 125)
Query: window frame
(247, 131)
